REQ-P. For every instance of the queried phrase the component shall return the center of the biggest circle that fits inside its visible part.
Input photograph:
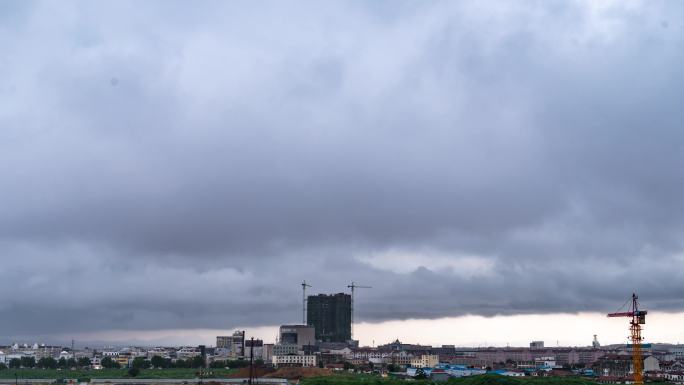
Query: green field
(337, 379)
(490, 379)
(111, 373)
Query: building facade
(284, 349)
(294, 360)
(300, 335)
(235, 344)
(537, 345)
(255, 347)
(425, 361)
(330, 315)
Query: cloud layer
(168, 166)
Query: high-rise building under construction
(330, 315)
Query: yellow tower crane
(638, 318)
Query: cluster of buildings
(658, 364)
(17, 351)
(325, 340)
(122, 356)
(298, 345)
(328, 326)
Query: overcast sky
(180, 166)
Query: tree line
(46, 363)
(109, 363)
(194, 362)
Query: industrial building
(299, 335)
(330, 315)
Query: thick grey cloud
(174, 166)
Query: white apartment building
(157, 352)
(187, 352)
(294, 360)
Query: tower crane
(638, 318)
(352, 287)
(304, 286)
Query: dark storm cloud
(166, 166)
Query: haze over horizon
(515, 331)
(169, 167)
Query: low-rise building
(677, 351)
(676, 377)
(285, 349)
(187, 353)
(255, 347)
(267, 352)
(157, 352)
(545, 362)
(234, 345)
(425, 361)
(122, 359)
(672, 366)
(294, 360)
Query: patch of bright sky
(406, 262)
(466, 331)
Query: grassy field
(493, 379)
(490, 379)
(336, 379)
(110, 373)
